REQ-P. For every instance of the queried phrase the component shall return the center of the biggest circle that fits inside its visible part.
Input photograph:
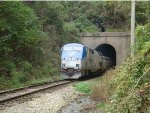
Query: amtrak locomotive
(77, 61)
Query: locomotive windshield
(72, 49)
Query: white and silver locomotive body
(77, 60)
(71, 60)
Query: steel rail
(30, 86)
(50, 85)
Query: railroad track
(9, 95)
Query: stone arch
(120, 41)
(108, 51)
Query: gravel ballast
(45, 103)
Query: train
(78, 61)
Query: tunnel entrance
(108, 51)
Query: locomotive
(77, 61)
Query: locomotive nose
(71, 63)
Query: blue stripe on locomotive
(75, 54)
(84, 53)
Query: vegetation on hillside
(20, 40)
(127, 88)
(32, 32)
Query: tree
(19, 33)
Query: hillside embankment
(127, 88)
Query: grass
(101, 105)
(12, 84)
(83, 87)
(27, 75)
(86, 86)
(117, 88)
(97, 89)
(37, 81)
(100, 90)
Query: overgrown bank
(25, 53)
(127, 88)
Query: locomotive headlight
(78, 62)
(63, 62)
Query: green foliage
(23, 55)
(143, 33)
(129, 89)
(27, 74)
(84, 87)
(19, 30)
(101, 105)
(70, 27)
(84, 25)
(110, 14)
(50, 14)
(142, 12)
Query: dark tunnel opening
(108, 51)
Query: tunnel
(108, 51)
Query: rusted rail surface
(8, 95)
(33, 85)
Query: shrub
(130, 86)
(127, 88)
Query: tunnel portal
(108, 51)
(113, 44)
